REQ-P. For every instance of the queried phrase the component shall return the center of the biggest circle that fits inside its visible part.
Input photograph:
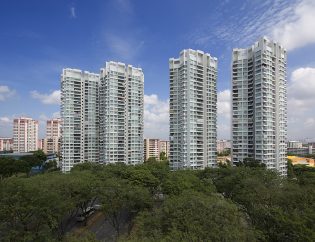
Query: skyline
(37, 43)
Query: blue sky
(39, 38)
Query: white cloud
(5, 120)
(5, 93)
(72, 12)
(52, 98)
(289, 22)
(224, 114)
(6, 124)
(301, 100)
(297, 30)
(122, 47)
(156, 117)
(224, 103)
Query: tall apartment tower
(25, 135)
(79, 117)
(259, 104)
(193, 108)
(121, 113)
(53, 133)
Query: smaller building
(295, 144)
(151, 149)
(223, 145)
(6, 144)
(16, 156)
(164, 146)
(51, 145)
(40, 144)
(25, 135)
(309, 150)
(154, 147)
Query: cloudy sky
(39, 38)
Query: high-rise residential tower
(121, 113)
(193, 107)
(259, 104)
(25, 135)
(53, 132)
(79, 118)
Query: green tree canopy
(193, 216)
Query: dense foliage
(151, 203)
(10, 166)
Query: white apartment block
(193, 110)
(25, 135)
(259, 104)
(51, 143)
(121, 113)
(295, 144)
(79, 117)
(6, 144)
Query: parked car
(83, 215)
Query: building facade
(151, 148)
(79, 118)
(6, 144)
(223, 145)
(294, 144)
(164, 146)
(121, 113)
(25, 135)
(193, 108)
(259, 104)
(51, 143)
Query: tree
(121, 202)
(163, 156)
(290, 169)
(273, 205)
(29, 209)
(87, 237)
(251, 162)
(10, 166)
(40, 155)
(50, 165)
(180, 181)
(151, 159)
(193, 216)
(83, 187)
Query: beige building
(164, 146)
(25, 134)
(6, 144)
(153, 148)
(51, 143)
(223, 145)
(40, 144)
